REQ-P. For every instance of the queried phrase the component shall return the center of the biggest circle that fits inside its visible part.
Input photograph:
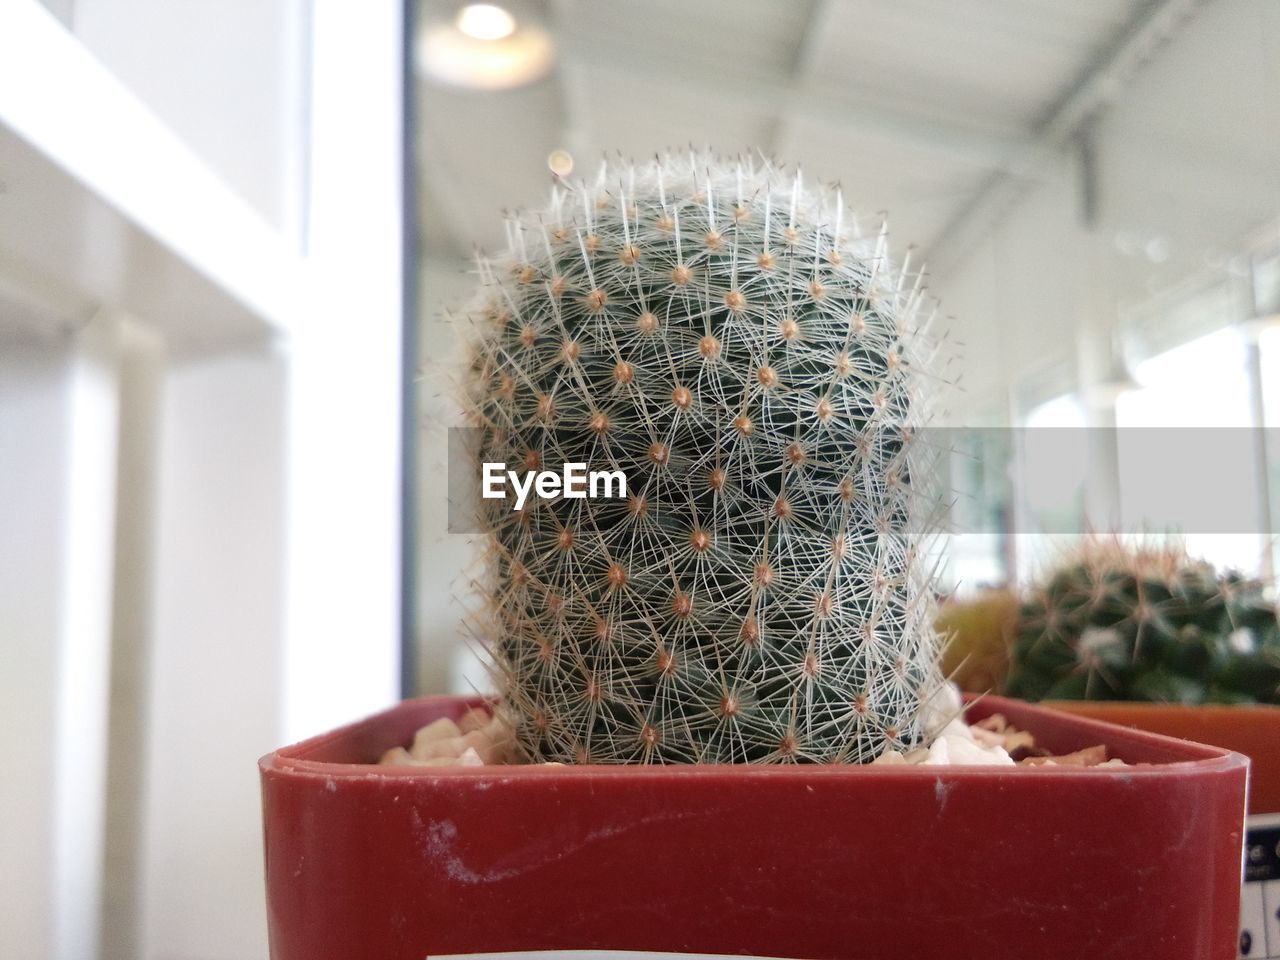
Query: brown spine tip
(839, 547)
(811, 666)
(666, 662)
(787, 745)
(637, 504)
(519, 574)
(565, 539)
(599, 422)
(596, 299)
(782, 508)
(532, 460)
(767, 376)
(592, 243)
(818, 291)
(646, 322)
(842, 364)
(749, 632)
(682, 398)
(709, 347)
(796, 453)
(570, 350)
(624, 372)
(629, 255)
(506, 386)
(555, 603)
(743, 425)
(681, 275)
(716, 479)
(729, 706)
(860, 704)
(604, 632)
(546, 407)
(658, 454)
(846, 490)
(527, 336)
(823, 409)
(763, 575)
(557, 287)
(700, 540)
(789, 329)
(735, 301)
(713, 240)
(616, 575)
(649, 736)
(682, 604)
(822, 606)
(766, 261)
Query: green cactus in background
(1121, 623)
(753, 364)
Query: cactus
(1146, 623)
(754, 365)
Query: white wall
(241, 586)
(34, 414)
(228, 77)
(216, 668)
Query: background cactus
(1122, 623)
(753, 363)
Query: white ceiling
(913, 105)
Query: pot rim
(1182, 757)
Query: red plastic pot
(890, 863)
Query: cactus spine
(1122, 623)
(753, 364)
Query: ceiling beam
(1101, 81)
(790, 94)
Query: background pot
(1253, 730)
(819, 862)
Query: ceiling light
(483, 48)
(485, 21)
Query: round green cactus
(752, 364)
(1146, 624)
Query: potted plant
(706, 672)
(1149, 637)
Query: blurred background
(1094, 186)
(230, 235)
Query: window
(1187, 451)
